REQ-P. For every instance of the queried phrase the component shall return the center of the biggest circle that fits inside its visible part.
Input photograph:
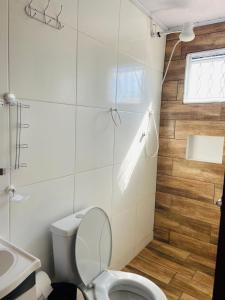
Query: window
(205, 77)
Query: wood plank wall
(186, 215)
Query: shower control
(2, 171)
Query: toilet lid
(93, 245)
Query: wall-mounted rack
(43, 17)
(19, 126)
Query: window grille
(205, 77)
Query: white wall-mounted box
(205, 148)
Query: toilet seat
(92, 257)
(112, 283)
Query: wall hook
(57, 17)
(44, 13)
(29, 9)
(60, 26)
(44, 17)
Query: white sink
(7, 260)
(15, 266)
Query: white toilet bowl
(82, 245)
(116, 285)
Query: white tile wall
(47, 202)
(42, 60)
(129, 144)
(94, 188)
(131, 95)
(134, 31)
(4, 120)
(3, 47)
(76, 155)
(50, 139)
(100, 20)
(155, 51)
(94, 139)
(97, 68)
(4, 163)
(123, 233)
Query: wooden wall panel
(167, 128)
(204, 212)
(186, 214)
(186, 128)
(165, 165)
(188, 243)
(200, 171)
(183, 225)
(178, 111)
(193, 189)
(169, 47)
(209, 41)
(169, 90)
(176, 70)
(172, 148)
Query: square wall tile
(69, 13)
(131, 85)
(50, 139)
(94, 188)
(44, 204)
(104, 29)
(97, 70)
(130, 186)
(156, 50)
(4, 215)
(123, 233)
(145, 221)
(3, 47)
(134, 31)
(94, 139)
(129, 139)
(5, 179)
(42, 59)
(153, 89)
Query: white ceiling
(173, 13)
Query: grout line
(115, 104)
(46, 180)
(178, 82)
(75, 113)
(95, 169)
(174, 129)
(9, 121)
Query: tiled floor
(181, 274)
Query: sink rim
(15, 259)
(24, 265)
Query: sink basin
(6, 261)
(15, 266)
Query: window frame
(196, 55)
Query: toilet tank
(63, 238)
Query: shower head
(187, 34)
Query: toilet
(82, 246)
